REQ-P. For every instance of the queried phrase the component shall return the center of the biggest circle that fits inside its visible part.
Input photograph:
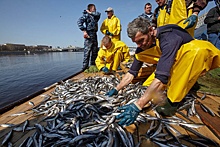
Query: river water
(22, 75)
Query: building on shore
(12, 47)
(23, 47)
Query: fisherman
(111, 26)
(111, 54)
(184, 13)
(148, 14)
(182, 60)
(88, 24)
(213, 24)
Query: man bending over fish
(180, 61)
(111, 54)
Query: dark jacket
(213, 24)
(89, 22)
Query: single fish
(25, 125)
(7, 125)
(31, 103)
(18, 114)
(192, 125)
(7, 137)
(203, 97)
(205, 108)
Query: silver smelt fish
(35, 143)
(203, 97)
(110, 137)
(31, 103)
(25, 125)
(203, 108)
(20, 129)
(7, 137)
(160, 127)
(123, 135)
(24, 142)
(191, 125)
(29, 142)
(200, 135)
(18, 114)
(207, 109)
(7, 125)
(9, 144)
(80, 137)
(181, 113)
(52, 135)
(40, 140)
(62, 142)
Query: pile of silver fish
(77, 113)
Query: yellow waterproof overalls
(192, 59)
(113, 25)
(111, 58)
(178, 14)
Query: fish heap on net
(79, 114)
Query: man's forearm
(125, 81)
(154, 93)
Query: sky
(54, 22)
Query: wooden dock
(211, 129)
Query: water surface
(22, 75)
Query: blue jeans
(214, 38)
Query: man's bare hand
(88, 11)
(85, 35)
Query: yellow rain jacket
(192, 59)
(178, 14)
(113, 25)
(112, 57)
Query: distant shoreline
(28, 52)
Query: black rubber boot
(168, 109)
(195, 87)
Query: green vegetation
(210, 82)
(92, 69)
